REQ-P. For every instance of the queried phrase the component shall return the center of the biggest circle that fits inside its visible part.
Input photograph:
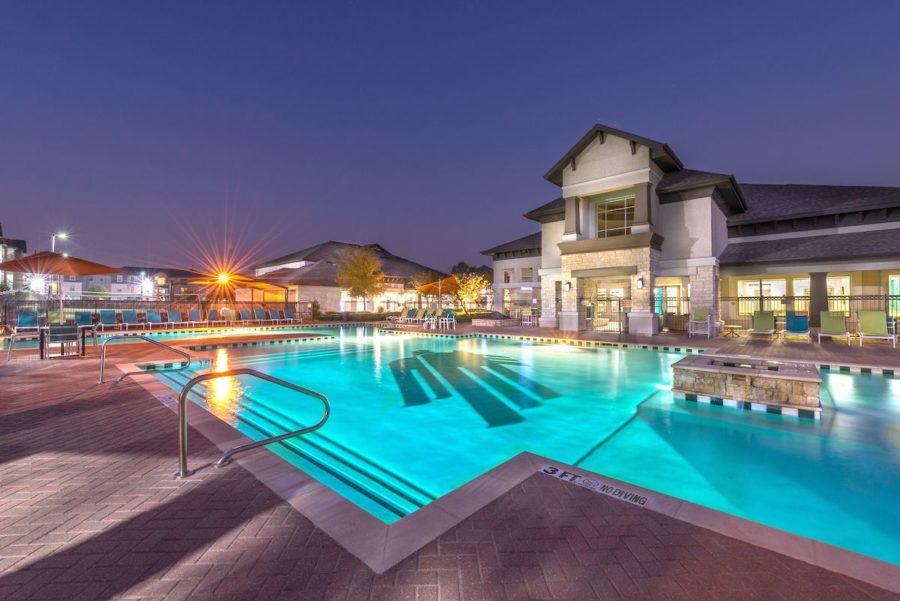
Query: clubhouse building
(635, 241)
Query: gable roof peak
(660, 152)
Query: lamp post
(61, 236)
(59, 279)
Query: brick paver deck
(89, 510)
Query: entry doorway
(604, 304)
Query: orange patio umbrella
(447, 285)
(51, 263)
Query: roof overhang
(724, 191)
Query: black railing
(739, 310)
(674, 312)
(604, 314)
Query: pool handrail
(225, 459)
(184, 365)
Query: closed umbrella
(51, 263)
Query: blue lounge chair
(85, 321)
(130, 319)
(246, 316)
(26, 327)
(261, 316)
(212, 317)
(174, 317)
(154, 318)
(275, 316)
(796, 325)
(290, 317)
(448, 319)
(194, 317)
(108, 319)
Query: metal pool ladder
(184, 472)
(142, 337)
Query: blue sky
(149, 129)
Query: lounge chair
(174, 317)
(763, 324)
(275, 316)
(289, 315)
(261, 316)
(130, 319)
(400, 316)
(194, 317)
(796, 325)
(26, 327)
(873, 324)
(85, 320)
(246, 316)
(154, 318)
(212, 317)
(108, 319)
(833, 324)
(419, 316)
(228, 315)
(700, 323)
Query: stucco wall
(687, 228)
(598, 160)
(551, 235)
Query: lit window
(528, 274)
(507, 276)
(615, 218)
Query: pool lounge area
(453, 425)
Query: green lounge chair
(700, 323)
(419, 317)
(796, 325)
(833, 324)
(873, 324)
(763, 324)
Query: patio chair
(85, 320)
(873, 324)
(228, 315)
(174, 317)
(246, 317)
(796, 325)
(154, 318)
(130, 319)
(108, 319)
(212, 317)
(65, 336)
(763, 324)
(26, 327)
(400, 316)
(700, 323)
(261, 316)
(448, 319)
(194, 317)
(275, 316)
(833, 324)
(419, 317)
(289, 315)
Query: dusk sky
(145, 129)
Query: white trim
(610, 183)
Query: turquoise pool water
(414, 418)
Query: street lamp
(61, 236)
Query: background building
(10, 249)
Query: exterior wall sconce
(568, 286)
(640, 283)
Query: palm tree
(359, 272)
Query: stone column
(705, 292)
(568, 314)
(548, 302)
(641, 319)
(498, 299)
(818, 297)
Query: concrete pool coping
(382, 546)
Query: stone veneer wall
(705, 291)
(738, 387)
(645, 259)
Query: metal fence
(674, 312)
(48, 310)
(604, 314)
(739, 310)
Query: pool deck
(89, 510)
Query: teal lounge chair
(130, 320)
(796, 325)
(448, 319)
(67, 337)
(246, 317)
(174, 317)
(763, 324)
(261, 316)
(108, 319)
(194, 317)
(275, 316)
(212, 317)
(873, 325)
(154, 318)
(26, 327)
(289, 315)
(85, 320)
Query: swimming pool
(414, 418)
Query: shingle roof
(876, 243)
(322, 272)
(770, 202)
(529, 242)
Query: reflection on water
(222, 392)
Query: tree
(424, 277)
(470, 287)
(461, 268)
(359, 272)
